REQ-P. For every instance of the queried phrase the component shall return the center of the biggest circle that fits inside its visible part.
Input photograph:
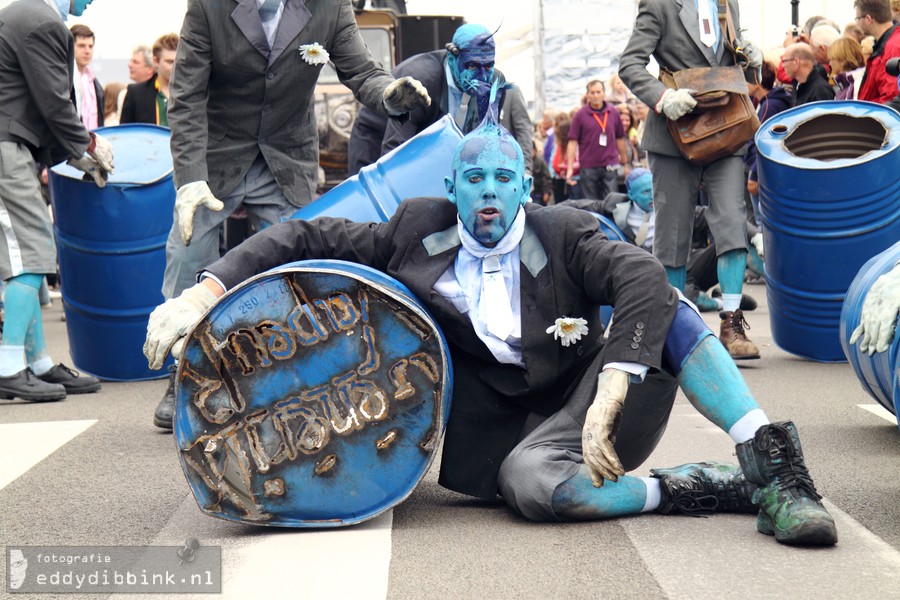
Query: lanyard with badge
(602, 125)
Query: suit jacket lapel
(246, 17)
(293, 19)
(690, 18)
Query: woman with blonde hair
(111, 107)
(847, 67)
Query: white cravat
(494, 311)
(707, 25)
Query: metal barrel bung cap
(312, 395)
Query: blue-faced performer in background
(546, 412)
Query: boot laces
(789, 469)
(706, 500)
(737, 323)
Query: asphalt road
(93, 471)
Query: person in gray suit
(670, 31)
(243, 122)
(547, 411)
(38, 123)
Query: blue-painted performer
(38, 123)
(546, 412)
(243, 121)
(670, 31)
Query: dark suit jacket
(140, 103)
(428, 68)
(668, 30)
(567, 269)
(232, 97)
(37, 54)
(815, 88)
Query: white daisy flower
(568, 330)
(313, 54)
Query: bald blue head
(488, 183)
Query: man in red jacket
(874, 18)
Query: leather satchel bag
(723, 120)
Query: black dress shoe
(72, 380)
(27, 386)
(165, 410)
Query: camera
(892, 67)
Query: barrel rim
(771, 146)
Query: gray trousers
(266, 205)
(598, 182)
(676, 187)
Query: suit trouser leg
(533, 474)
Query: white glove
(676, 103)
(187, 199)
(757, 241)
(97, 161)
(405, 94)
(878, 317)
(172, 320)
(754, 56)
(601, 424)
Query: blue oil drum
(879, 374)
(312, 395)
(829, 201)
(414, 169)
(111, 244)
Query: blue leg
(677, 277)
(755, 262)
(578, 500)
(705, 371)
(714, 386)
(22, 307)
(730, 268)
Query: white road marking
(349, 562)
(23, 445)
(879, 411)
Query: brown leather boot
(732, 336)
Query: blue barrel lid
(141, 154)
(774, 136)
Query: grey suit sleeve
(518, 122)
(45, 67)
(648, 29)
(188, 97)
(354, 63)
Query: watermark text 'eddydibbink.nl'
(190, 568)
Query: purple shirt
(586, 131)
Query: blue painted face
(640, 191)
(471, 67)
(78, 7)
(488, 186)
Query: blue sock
(677, 277)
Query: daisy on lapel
(314, 53)
(568, 330)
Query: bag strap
(726, 25)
